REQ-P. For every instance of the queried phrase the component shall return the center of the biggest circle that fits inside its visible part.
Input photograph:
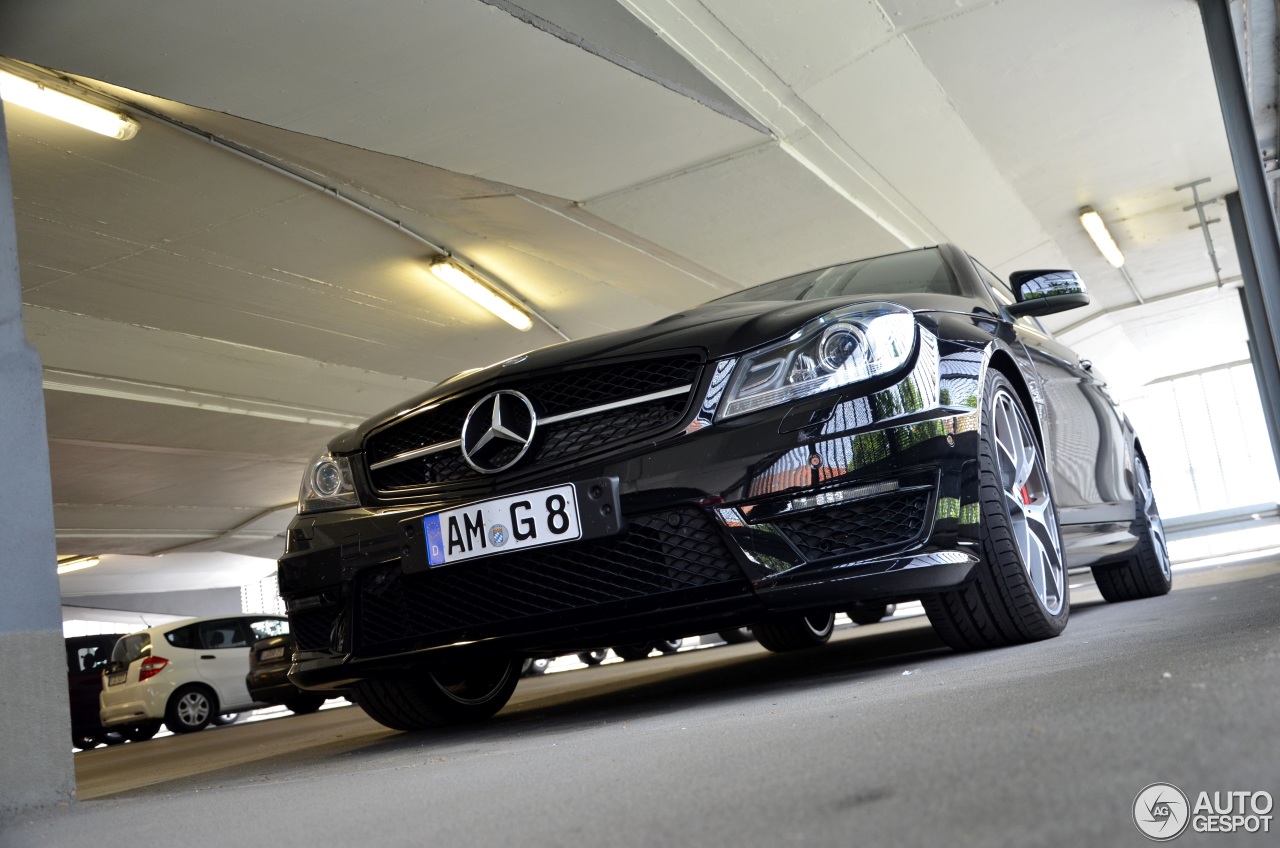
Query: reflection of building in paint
(813, 465)
(796, 469)
(958, 378)
(919, 391)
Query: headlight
(327, 484)
(850, 344)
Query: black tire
(112, 738)
(634, 652)
(535, 667)
(1148, 572)
(446, 696)
(84, 742)
(871, 613)
(225, 719)
(668, 646)
(795, 633)
(304, 703)
(191, 708)
(737, 636)
(142, 732)
(594, 657)
(1019, 590)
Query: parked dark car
(86, 657)
(268, 678)
(895, 428)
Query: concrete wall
(35, 731)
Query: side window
(183, 637)
(264, 627)
(999, 290)
(222, 633)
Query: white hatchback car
(186, 674)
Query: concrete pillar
(35, 726)
(1253, 205)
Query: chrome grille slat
(589, 408)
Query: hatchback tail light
(151, 666)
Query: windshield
(917, 271)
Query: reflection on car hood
(717, 329)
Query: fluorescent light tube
(64, 107)
(76, 563)
(1097, 230)
(465, 284)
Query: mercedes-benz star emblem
(498, 431)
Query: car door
(222, 660)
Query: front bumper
(819, 506)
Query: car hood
(717, 329)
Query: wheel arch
(1001, 360)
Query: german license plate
(501, 525)
(271, 654)
(116, 678)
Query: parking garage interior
(189, 311)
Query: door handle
(207, 657)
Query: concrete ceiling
(217, 297)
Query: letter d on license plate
(500, 525)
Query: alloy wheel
(1155, 527)
(193, 709)
(1032, 517)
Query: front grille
(312, 628)
(857, 528)
(660, 553)
(559, 394)
(597, 431)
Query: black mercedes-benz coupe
(895, 428)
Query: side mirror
(1046, 292)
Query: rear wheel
(797, 633)
(669, 646)
(634, 652)
(191, 708)
(535, 667)
(737, 635)
(594, 657)
(304, 703)
(454, 694)
(1019, 590)
(142, 732)
(871, 613)
(84, 741)
(225, 719)
(1148, 573)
